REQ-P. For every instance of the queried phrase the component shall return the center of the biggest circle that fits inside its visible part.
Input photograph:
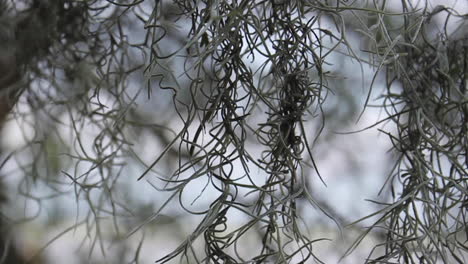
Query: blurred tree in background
(144, 114)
